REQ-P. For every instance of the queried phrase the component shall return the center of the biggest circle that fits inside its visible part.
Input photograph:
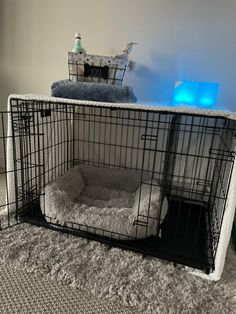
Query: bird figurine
(125, 51)
(77, 46)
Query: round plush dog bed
(108, 202)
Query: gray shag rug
(148, 284)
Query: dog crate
(97, 69)
(154, 181)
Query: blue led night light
(198, 94)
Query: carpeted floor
(2, 188)
(148, 285)
(23, 293)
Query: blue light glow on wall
(200, 94)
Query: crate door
(157, 161)
(28, 158)
(8, 177)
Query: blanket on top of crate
(139, 106)
(93, 91)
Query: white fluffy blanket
(106, 202)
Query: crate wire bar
(189, 156)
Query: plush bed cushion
(105, 199)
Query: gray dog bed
(104, 201)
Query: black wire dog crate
(152, 181)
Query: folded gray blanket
(93, 91)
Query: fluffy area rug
(148, 284)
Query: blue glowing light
(206, 101)
(184, 96)
(198, 94)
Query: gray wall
(185, 39)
